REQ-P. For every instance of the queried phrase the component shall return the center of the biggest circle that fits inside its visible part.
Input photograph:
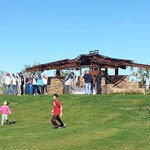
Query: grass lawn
(93, 122)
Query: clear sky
(43, 31)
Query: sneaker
(64, 126)
(57, 127)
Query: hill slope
(93, 122)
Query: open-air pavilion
(95, 62)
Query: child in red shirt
(57, 110)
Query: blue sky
(43, 31)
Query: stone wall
(56, 86)
(124, 87)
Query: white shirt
(34, 81)
(45, 80)
(13, 79)
(7, 80)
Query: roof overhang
(88, 60)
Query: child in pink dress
(5, 110)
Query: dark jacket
(98, 78)
(88, 78)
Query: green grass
(93, 122)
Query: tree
(2, 81)
(64, 73)
(28, 66)
(134, 73)
(141, 74)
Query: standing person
(40, 84)
(17, 80)
(88, 82)
(57, 110)
(7, 84)
(5, 112)
(22, 83)
(18, 83)
(98, 82)
(73, 82)
(34, 83)
(27, 84)
(28, 81)
(45, 80)
(14, 84)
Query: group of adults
(35, 83)
(19, 84)
(88, 79)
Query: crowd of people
(36, 83)
(18, 84)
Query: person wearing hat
(7, 84)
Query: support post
(80, 71)
(106, 71)
(57, 72)
(117, 72)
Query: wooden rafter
(88, 60)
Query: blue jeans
(88, 88)
(40, 89)
(35, 89)
(27, 89)
(14, 90)
(8, 89)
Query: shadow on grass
(12, 122)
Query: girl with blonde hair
(5, 110)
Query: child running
(5, 110)
(57, 110)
